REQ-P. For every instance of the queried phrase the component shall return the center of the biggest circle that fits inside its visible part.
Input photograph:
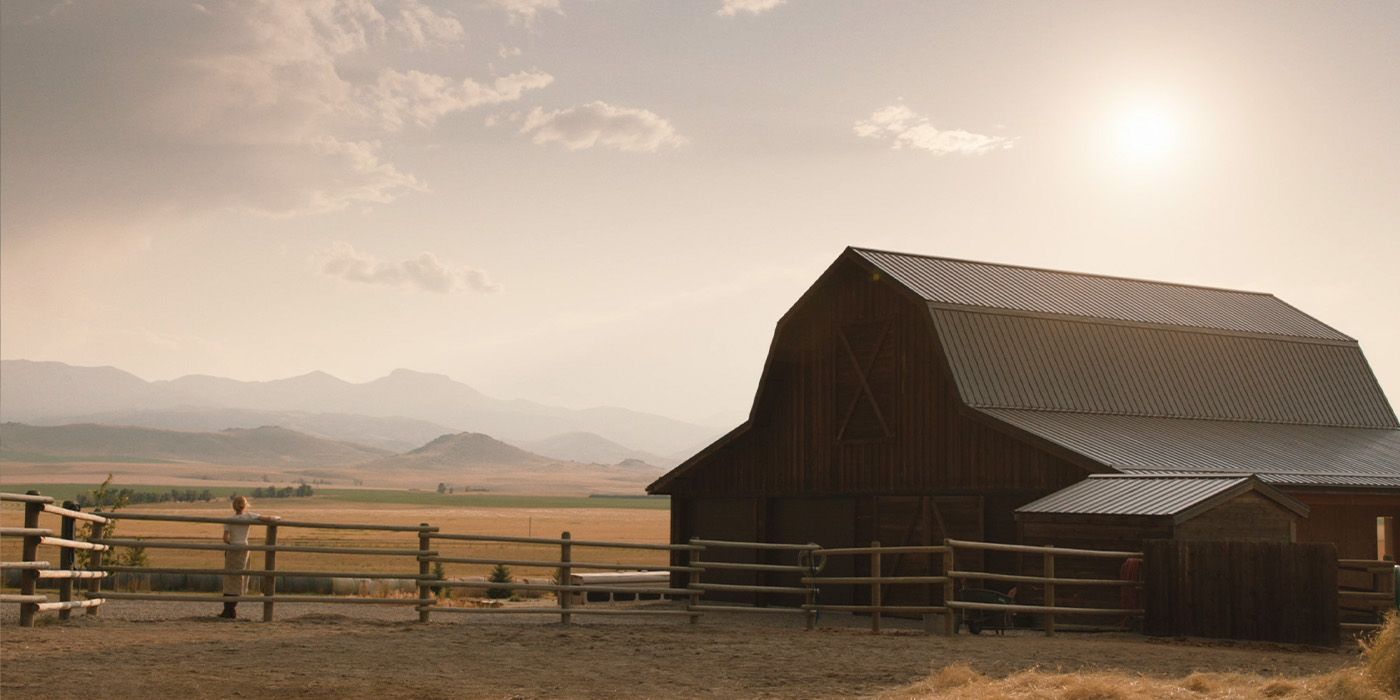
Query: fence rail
(711, 569)
(32, 569)
(1382, 593)
(804, 563)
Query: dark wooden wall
(1270, 591)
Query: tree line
(105, 498)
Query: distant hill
(591, 448)
(56, 393)
(387, 433)
(462, 450)
(271, 446)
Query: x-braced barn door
(867, 380)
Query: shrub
(500, 574)
(1382, 654)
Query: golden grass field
(643, 525)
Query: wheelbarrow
(978, 620)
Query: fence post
(65, 559)
(950, 624)
(424, 590)
(876, 595)
(269, 582)
(566, 598)
(810, 597)
(693, 560)
(1049, 593)
(28, 577)
(97, 531)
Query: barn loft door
(866, 380)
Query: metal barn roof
(1022, 362)
(964, 282)
(1151, 495)
(1279, 454)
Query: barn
(908, 398)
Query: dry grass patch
(1375, 677)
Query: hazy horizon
(611, 203)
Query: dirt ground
(136, 650)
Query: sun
(1146, 132)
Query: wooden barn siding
(1269, 591)
(1246, 517)
(791, 447)
(1348, 520)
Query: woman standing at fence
(237, 559)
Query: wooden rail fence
(803, 563)
(783, 578)
(32, 569)
(1368, 604)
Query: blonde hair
(240, 503)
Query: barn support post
(66, 557)
(566, 555)
(425, 592)
(97, 531)
(29, 577)
(876, 593)
(1049, 592)
(950, 625)
(269, 582)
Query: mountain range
(395, 412)
(268, 446)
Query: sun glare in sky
(1146, 133)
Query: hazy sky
(612, 201)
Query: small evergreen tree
(439, 573)
(500, 574)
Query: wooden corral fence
(877, 582)
(1361, 609)
(1247, 590)
(802, 564)
(1271, 591)
(1048, 581)
(32, 570)
(269, 574)
(565, 565)
(953, 583)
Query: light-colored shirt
(238, 532)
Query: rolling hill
(462, 450)
(591, 448)
(266, 445)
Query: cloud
(425, 272)
(602, 124)
(527, 11)
(423, 98)
(904, 128)
(423, 26)
(125, 111)
(731, 8)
